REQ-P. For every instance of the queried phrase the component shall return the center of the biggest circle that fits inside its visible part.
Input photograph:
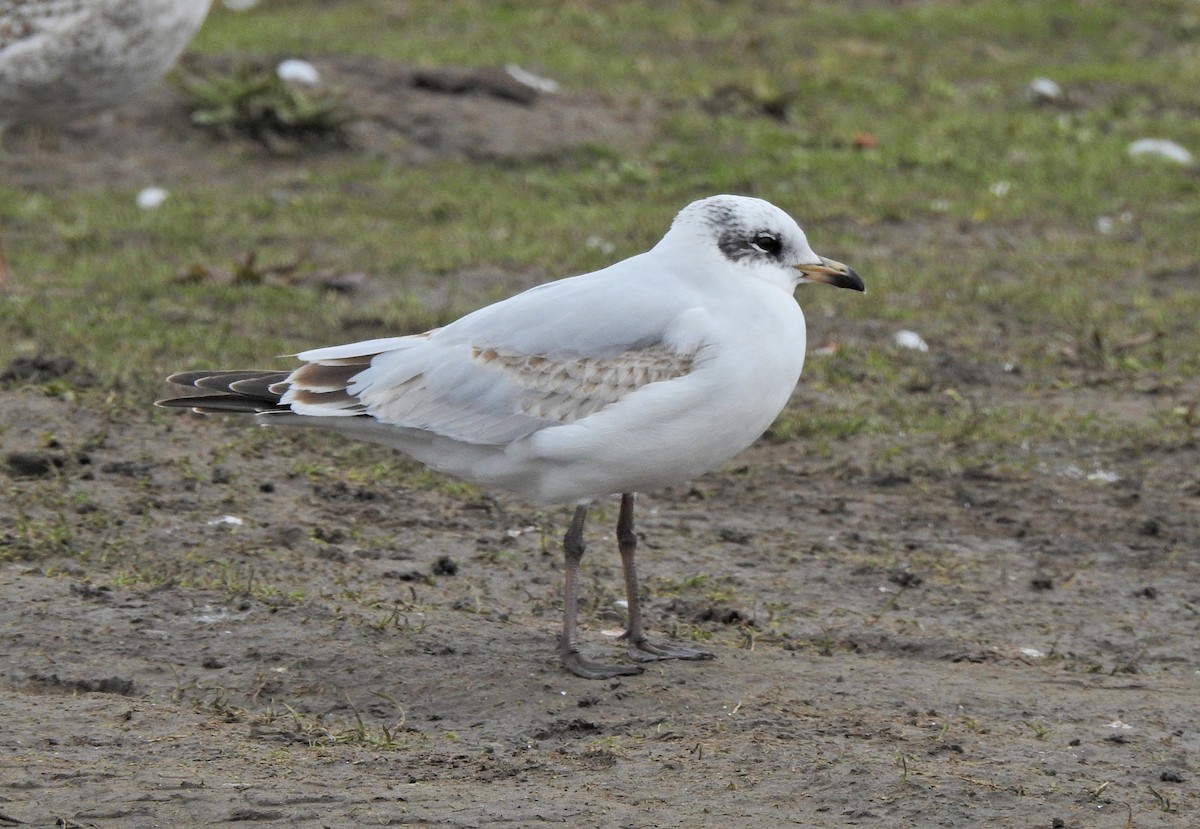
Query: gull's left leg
(640, 648)
(572, 660)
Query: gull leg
(573, 547)
(640, 648)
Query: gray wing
(550, 356)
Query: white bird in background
(641, 375)
(60, 59)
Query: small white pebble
(1105, 225)
(600, 244)
(1032, 653)
(531, 80)
(231, 520)
(151, 197)
(294, 70)
(911, 339)
(1000, 189)
(1160, 148)
(1044, 89)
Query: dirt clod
(34, 464)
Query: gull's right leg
(642, 649)
(572, 553)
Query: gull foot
(644, 650)
(581, 667)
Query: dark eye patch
(738, 243)
(766, 243)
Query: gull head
(756, 238)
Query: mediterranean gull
(60, 59)
(641, 375)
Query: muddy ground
(256, 636)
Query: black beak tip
(853, 281)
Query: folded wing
(493, 377)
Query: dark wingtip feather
(228, 391)
(219, 403)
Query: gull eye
(766, 243)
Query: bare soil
(895, 647)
